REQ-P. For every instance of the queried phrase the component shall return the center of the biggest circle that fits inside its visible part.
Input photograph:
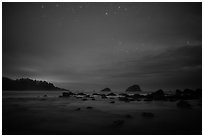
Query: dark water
(29, 112)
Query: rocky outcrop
(106, 89)
(67, 94)
(133, 88)
(111, 94)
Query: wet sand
(53, 116)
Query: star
(42, 6)
(73, 11)
(188, 42)
(120, 43)
(57, 5)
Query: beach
(52, 115)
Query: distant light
(120, 43)
(42, 6)
(106, 13)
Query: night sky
(90, 46)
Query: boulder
(148, 99)
(103, 96)
(112, 102)
(111, 94)
(128, 116)
(67, 94)
(125, 99)
(95, 94)
(123, 94)
(77, 109)
(89, 107)
(82, 94)
(106, 89)
(148, 114)
(118, 123)
(84, 99)
(45, 96)
(158, 95)
(133, 88)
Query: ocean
(31, 113)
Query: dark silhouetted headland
(27, 84)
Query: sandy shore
(71, 116)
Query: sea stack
(106, 89)
(134, 88)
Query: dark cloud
(174, 59)
(182, 65)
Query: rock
(95, 94)
(131, 99)
(172, 99)
(125, 99)
(81, 94)
(112, 102)
(77, 109)
(158, 95)
(133, 88)
(106, 89)
(87, 96)
(84, 99)
(78, 97)
(111, 94)
(103, 96)
(147, 99)
(137, 96)
(45, 96)
(118, 123)
(67, 94)
(188, 94)
(183, 104)
(128, 116)
(89, 107)
(148, 114)
(123, 94)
